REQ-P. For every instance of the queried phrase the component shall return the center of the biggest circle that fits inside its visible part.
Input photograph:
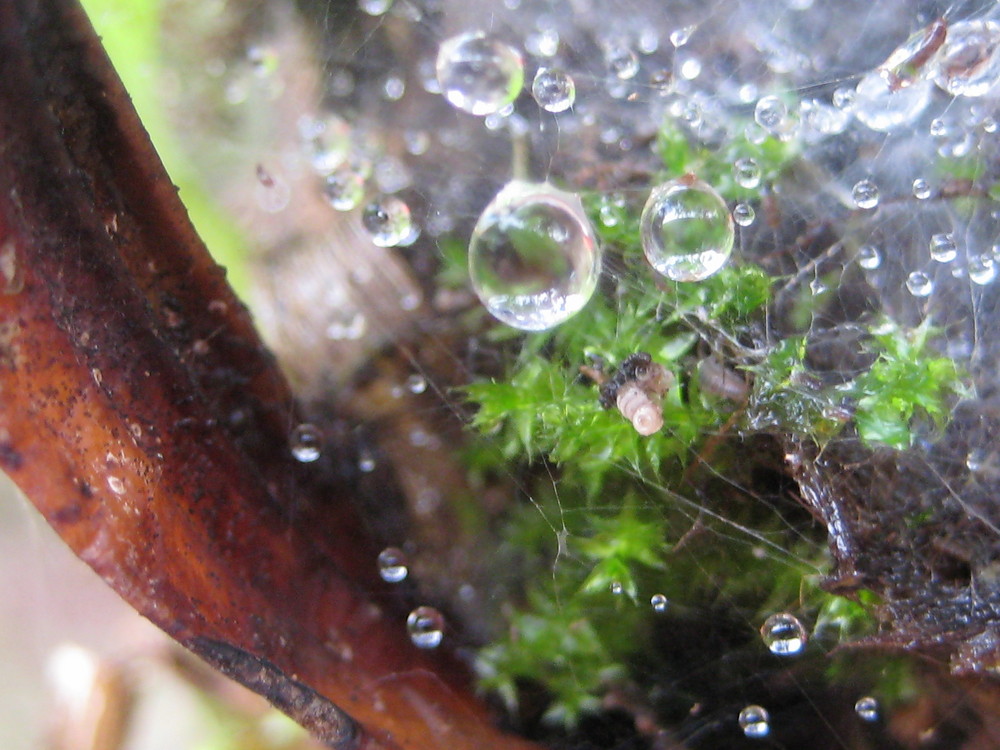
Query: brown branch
(143, 417)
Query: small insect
(905, 66)
(637, 390)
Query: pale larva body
(645, 413)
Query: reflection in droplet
(343, 189)
(479, 74)
(865, 194)
(755, 722)
(659, 603)
(426, 627)
(771, 113)
(387, 220)
(533, 257)
(687, 231)
(943, 248)
(306, 442)
(553, 89)
(747, 173)
(783, 634)
(921, 189)
(867, 708)
(392, 566)
(743, 214)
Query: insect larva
(645, 414)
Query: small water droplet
(387, 220)
(416, 384)
(426, 627)
(880, 108)
(393, 88)
(968, 63)
(687, 231)
(771, 113)
(974, 460)
(938, 128)
(344, 189)
(553, 89)
(943, 248)
(366, 462)
(867, 708)
(375, 7)
(865, 194)
(327, 140)
(689, 68)
(533, 258)
(921, 189)
(869, 257)
(680, 37)
(747, 173)
(616, 588)
(621, 60)
(543, 44)
(919, 284)
(659, 603)
(982, 269)
(306, 443)
(844, 99)
(612, 209)
(755, 722)
(392, 565)
(783, 634)
(479, 74)
(743, 214)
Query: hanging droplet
(969, 62)
(687, 231)
(659, 603)
(344, 189)
(392, 567)
(387, 220)
(533, 257)
(553, 89)
(867, 708)
(680, 37)
(869, 257)
(919, 284)
(621, 61)
(426, 627)
(865, 194)
(755, 722)
(921, 189)
(880, 108)
(306, 443)
(747, 173)
(771, 113)
(943, 248)
(743, 214)
(783, 634)
(479, 74)
(982, 269)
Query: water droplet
(616, 588)
(543, 44)
(921, 189)
(375, 7)
(743, 214)
(612, 209)
(906, 64)
(869, 257)
(755, 722)
(689, 68)
(822, 119)
(479, 74)
(687, 231)
(327, 140)
(919, 284)
(393, 88)
(974, 460)
(880, 108)
(366, 462)
(344, 189)
(392, 565)
(865, 194)
(982, 269)
(844, 99)
(680, 37)
(533, 256)
(938, 128)
(621, 61)
(306, 442)
(659, 603)
(416, 384)
(943, 247)
(747, 173)
(783, 634)
(426, 627)
(989, 125)
(771, 113)
(553, 89)
(969, 61)
(867, 708)
(387, 220)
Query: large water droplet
(344, 189)
(533, 256)
(867, 708)
(392, 566)
(387, 220)
(755, 722)
(919, 284)
(783, 634)
(659, 603)
(479, 74)
(969, 62)
(943, 248)
(880, 108)
(687, 231)
(865, 194)
(747, 173)
(553, 89)
(869, 257)
(306, 442)
(426, 627)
